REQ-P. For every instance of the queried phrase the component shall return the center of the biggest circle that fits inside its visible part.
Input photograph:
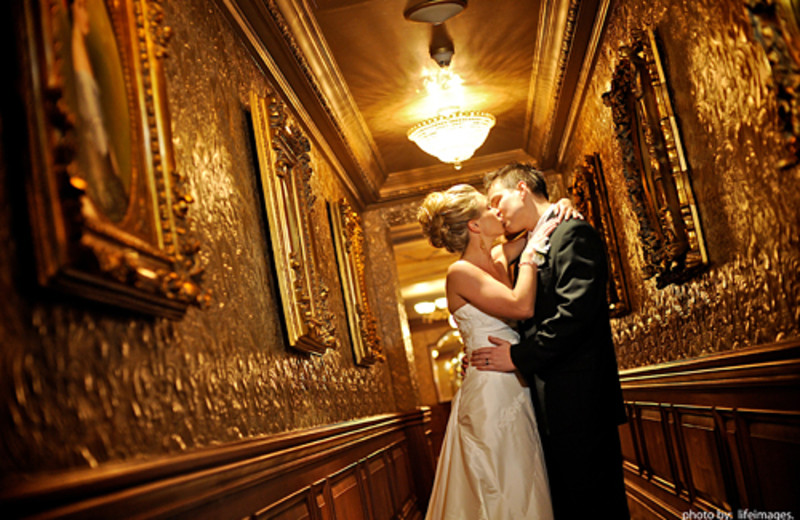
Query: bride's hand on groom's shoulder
(497, 359)
(566, 210)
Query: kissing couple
(532, 432)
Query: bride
(491, 466)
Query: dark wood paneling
(440, 414)
(293, 507)
(323, 503)
(629, 446)
(702, 458)
(657, 458)
(348, 497)
(401, 466)
(719, 433)
(380, 489)
(356, 470)
(775, 443)
(418, 434)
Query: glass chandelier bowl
(453, 137)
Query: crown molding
(587, 67)
(333, 89)
(566, 46)
(281, 36)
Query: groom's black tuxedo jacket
(567, 344)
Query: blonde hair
(444, 215)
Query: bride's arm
(478, 287)
(510, 249)
(471, 283)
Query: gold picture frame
(108, 207)
(776, 26)
(285, 170)
(654, 165)
(348, 237)
(589, 193)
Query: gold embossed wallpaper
(727, 113)
(82, 385)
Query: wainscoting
(376, 468)
(440, 413)
(719, 433)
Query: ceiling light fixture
(433, 11)
(441, 48)
(452, 138)
(424, 307)
(454, 135)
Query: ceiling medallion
(433, 11)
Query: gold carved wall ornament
(348, 236)
(656, 173)
(109, 209)
(286, 172)
(588, 191)
(776, 24)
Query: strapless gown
(491, 466)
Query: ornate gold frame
(348, 237)
(142, 258)
(655, 168)
(588, 191)
(776, 25)
(285, 179)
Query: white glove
(539, 243)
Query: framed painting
(776, 26)
(348, 237)
(654, 165)
(108, 207)
(589, 193)
(285, 169)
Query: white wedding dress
(491, 466)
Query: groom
(566, 353)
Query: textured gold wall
(83, 385)
(390, 311)
(727, 113)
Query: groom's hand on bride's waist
(497, 359)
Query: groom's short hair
(510, 175)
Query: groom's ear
(522, 187)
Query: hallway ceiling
(357, 68)
(520, 60)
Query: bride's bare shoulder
(461, 266)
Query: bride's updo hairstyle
(444, 215)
